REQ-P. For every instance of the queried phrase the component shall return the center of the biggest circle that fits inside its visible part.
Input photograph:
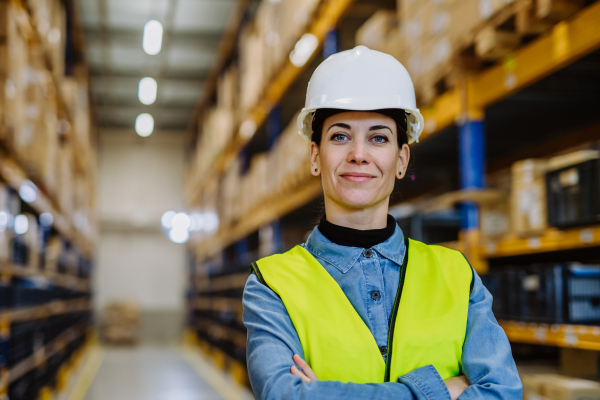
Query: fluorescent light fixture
(46, 220)
(196, 222)
(144, 125)
(181, 222)
(167, 219)
(152, 42)
(28, 192)
(304, 48)
(248, 129)
(147, 90)
(21, 224)
(179, 235)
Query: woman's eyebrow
(340, 124)
(378, 127)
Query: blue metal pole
(273, 126)
(471, 139)
(330, 43)
(277, 236)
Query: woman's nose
(358, 153)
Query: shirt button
(383, 350)
(375, 295)
(368, 253)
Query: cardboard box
(558, 387)
(581, 363)
(528, 197)
(494, 220)
(532, 386)
(563, 388)
(374, 32)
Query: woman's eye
(380, 139)
(339, 137)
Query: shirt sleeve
(272, 341)
(487, 358)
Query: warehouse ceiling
(113, 33)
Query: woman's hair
(399, 116)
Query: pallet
(494, 40)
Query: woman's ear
(403, 157)
(315, 169)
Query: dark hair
(399, 116)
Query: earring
(316, 170)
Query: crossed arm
(277, 369)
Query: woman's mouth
(357, 177)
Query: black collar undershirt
(344, 236)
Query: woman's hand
(456, 385)
(306, 374)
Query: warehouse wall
(140, 179)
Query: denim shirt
(272, 340)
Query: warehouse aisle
(149, 373)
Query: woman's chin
(358, 200)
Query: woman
(359, 311)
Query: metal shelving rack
(453, 116)
(67, 345)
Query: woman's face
(359, 158)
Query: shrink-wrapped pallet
(49, 19)
(121, 323)
(528, 197)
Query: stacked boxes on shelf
(216, 125)
(558, 387)
(270, 174)
(528, 197)
(45, 135)
(265, 45)
(561, 191)
(44, 115)
(121, 323)
(437, 40)
(431, 31)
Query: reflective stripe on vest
(427, 325)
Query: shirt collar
(344, 257)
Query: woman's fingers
(305, 367)
(296, 372)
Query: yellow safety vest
(427, 326)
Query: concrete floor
(149, 373)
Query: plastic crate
(574, 195)
(546, 293)
(583, 294)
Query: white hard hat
(361, 79)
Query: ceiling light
(179, 235)
(196, 222)
(304, 48)
(167, 219)
(147, 90)
(28, 192)
(180, 222)
(46, 220)
(144, 124)
(21, 224)
(152, 42)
